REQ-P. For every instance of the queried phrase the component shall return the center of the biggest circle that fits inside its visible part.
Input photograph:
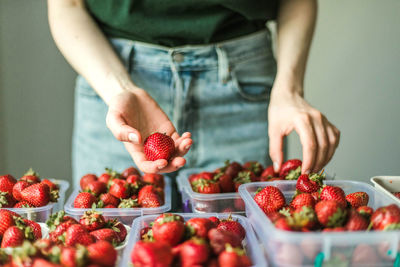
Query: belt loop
(127, 55)
(179, 89)
(223, 64)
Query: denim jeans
(219, 93)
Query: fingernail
(276, 166)
(160, 167)
(133, 138)
(187, 147)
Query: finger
(184, 147)
(138, 156)
(178, 139)
(276, 148)
(120, 129)
(175, 164)
(305, 130)
(334, 138)
(321, 135)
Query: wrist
(287, 87)
(115, 86)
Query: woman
(205, 68)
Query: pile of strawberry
(126, 190)
(28, 192)
(396, 194)
(45, 253)
(170, 241)
(92, 227)
(318, 207)
(14, 229)
(229, 177)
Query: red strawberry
(200, 226)
(269, 173)
(92, 220)
(358, 199)
(304, 199)
(334, 229)
(274, 216)
(130, 171)
(7, 183)
(6, 200)
(77, 234)
(152, 254)
(194, 252)
(232, 226)
(291, 169)
(87, 179)
(334, 193)
(59, 230)
(149, 198)
(396, 194)
(23, 204)
(96, 188)
(366, 211)
(226, 183)
(51, 185)
(215, 220)
(386, 218)
(109, 199)
(133, 202)
(73, 257)
(37, 195)
(206, 187)
(283, 224)
(108, 176)
(119, 188)
(233, 257)
(31, 177)
(270, 199)
(36, 229)
(119, 228)
(305, 217)
(153, 178)
(134, 182)
(17, 189)
(330, 213)
(203, 175)
(39, 262)
(159, 146)
(6, 221)
(316, 195)
(356, 222)
(105, 234)
(168, 228)
(309, 183)
(219, 238)
(231, 169)
(12, 237)
(254, 166)
(84, 200)
(102, 253)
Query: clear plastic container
(250, 243)
(388, 185)
(41, 214)
(284, 248)
(124, 215)
(221, 202)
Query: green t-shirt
(181, 22)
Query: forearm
(86, 48)
(296, 22)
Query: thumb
(275, 150)
(121, 130)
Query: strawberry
(109, 206)
(274, 216)
(386, 218)
(7, 183)
(206, 187)
(102, 253)
(270, 199)
(84, 200)
(92, 220)
(129, 171)
(357, 199)
(31, 177)
(335, 229)
(269, 173)
(203, 175)
(37, 195)
(146, 234)
(119, 188)
(6, 221)
(330, 213)
(148, 197)
(152, 254)
(316, 195)
(108, 199)
(283, 224)
(168, 228)
(87, 179)
(134, 182)
(194, 252)
(39, 262)
(304, 199)
(365, 211)
(17, 189)
(215, 220)
(96, 188)
(225, 181)
(159, 146)
(22, 205)
(233, 257)
(106, 234)
(119, 228)
(35, 227)
(254, 166)
(57, 234)
(133, 202)
(396, 194)
(356, 222)
(6, 200)
(305, 217)
(334, 193)
(232, 226)
(12, 237)
(51, 185)
(73, 257)
(153, 178)
(291, 169)
(231, 168)
(77, 234)
(270, 179)
(219, 238)
(309, 183)
(108, 176)
(200, 226)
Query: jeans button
(178, 57)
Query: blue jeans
(219, 93)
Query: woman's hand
(132, 116)
(289, 111)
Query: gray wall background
(353, 77)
